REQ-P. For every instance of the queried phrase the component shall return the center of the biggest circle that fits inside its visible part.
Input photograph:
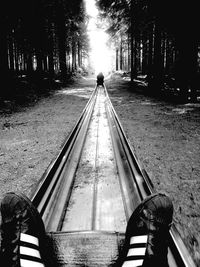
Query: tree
(164, 40)
(38, 37)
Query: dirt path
(31, 137)
(166, 138)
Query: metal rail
(52, 194)
(48, 191)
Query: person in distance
(100, 79)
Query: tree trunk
(135, 54)
(121, 56)
(74, 56)
(11, 54)
(61, 40)
(157, 68)
(79, 54)
(117, 57)
(150, 54)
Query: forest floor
(165, 137)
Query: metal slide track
(88, 193)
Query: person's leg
(22, 231)
(147, 232)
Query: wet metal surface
(96, 199)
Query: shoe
(147, 233)
(22, 231)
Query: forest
(43, 41)
(157, 40)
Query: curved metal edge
(130, 153)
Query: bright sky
(91, 8)
(101, 55)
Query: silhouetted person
(100, 79)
